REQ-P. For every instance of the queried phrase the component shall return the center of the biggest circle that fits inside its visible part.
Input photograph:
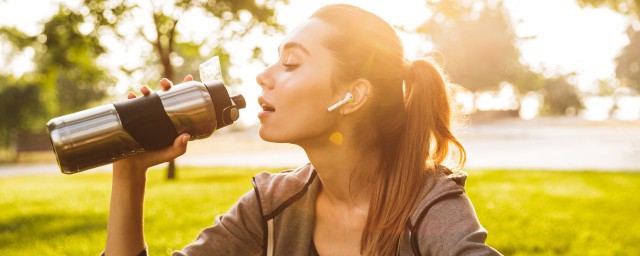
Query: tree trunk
(168, 73)
(164, 52)
(171, 170)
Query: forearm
(125, 234)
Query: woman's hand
(142, 161)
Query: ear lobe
(360, 90)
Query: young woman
(375, 184)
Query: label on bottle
(210, 70)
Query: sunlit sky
(564, 37)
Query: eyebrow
(290, 45)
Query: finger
(145, 90)
(178, 148)
(165, 84)
(188, 78)
(131, 95)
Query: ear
(360, 89)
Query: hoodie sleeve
(451, 227)
(237, 232)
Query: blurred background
(561, 77)
(551, 110)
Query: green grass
(558, 213)
(526, 212)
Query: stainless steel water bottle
(107, 133)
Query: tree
(66, 52)
(628, 62)
(528, 80)
(236, 18)
(20, 108)
(477, 44)
(560, 96)
(628, 7)
(479, 47)
(68, 65)
(66, 78)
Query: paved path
(554, 143)
(546, 143)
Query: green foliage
(190, 52)
(526, 212)
(629, 7)
(478, 45)
(605, 88)
(16, 38)
(20, 109)
(167, 41)
(560, 96)
(628, 69)
(66, 78)
(527, 80)
(68, 65)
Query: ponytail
(427, 97)
(423, 146)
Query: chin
(268, 136)
(277, 136)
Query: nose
(264, 79)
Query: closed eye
(290, 67)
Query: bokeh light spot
(336, 138)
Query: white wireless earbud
(346, 99)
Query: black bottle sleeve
(146, 121)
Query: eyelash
(289, 67)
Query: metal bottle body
(107, 133)
(90, 138)
(190, 108)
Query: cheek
(302, 110)
(307, 90)
(307, 108)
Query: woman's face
(297, 90)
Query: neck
(345, 173)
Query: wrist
(129, 169)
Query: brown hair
(409, 117)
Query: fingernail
(185, 138)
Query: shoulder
(440, 185)
(445, 222)
(274, 190)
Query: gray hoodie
(277, 217)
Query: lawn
(526, 212)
